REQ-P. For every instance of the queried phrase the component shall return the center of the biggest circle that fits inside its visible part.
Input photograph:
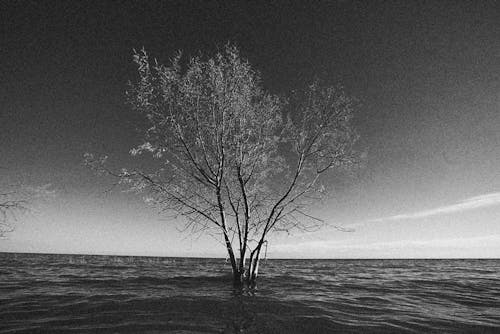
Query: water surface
(111, 294)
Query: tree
(10, 209)
(231, 158)
(16, 201)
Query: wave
(146, 280)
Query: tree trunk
(241, 268)
(253, 266)
(232, 258)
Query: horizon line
(274, 258)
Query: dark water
(107, 294)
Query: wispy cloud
(465, 205)
(321, 247)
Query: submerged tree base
(244, 285)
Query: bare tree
(10, 209)
(16, 201)
(230, 158)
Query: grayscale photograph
(328, 166)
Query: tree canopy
(230, 158)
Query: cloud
(465, 205)
(319, 248)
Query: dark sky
(426, 74)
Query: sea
(44, 293)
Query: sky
(426, 75)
